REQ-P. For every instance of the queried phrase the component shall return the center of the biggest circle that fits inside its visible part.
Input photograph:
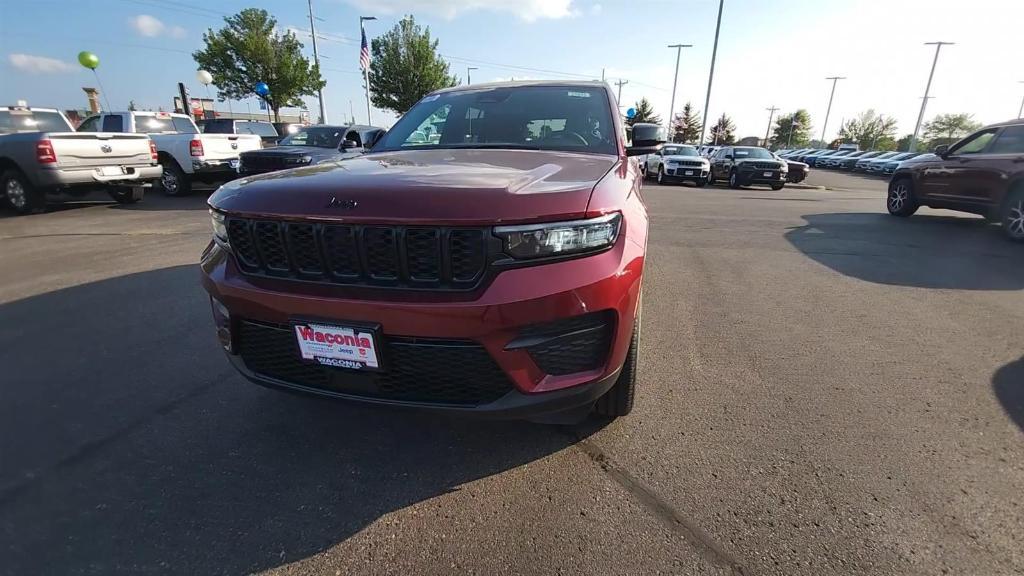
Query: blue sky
(770, 53)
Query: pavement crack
(674, 519)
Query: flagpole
(366, 67)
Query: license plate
(234, 164)
(350, 347)
(767, 174)
(111, 170)
(689, 172)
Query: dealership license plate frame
(689, 173)
(108, 171)
(767, 174)
(376, 339)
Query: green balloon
(89, 60)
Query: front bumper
(496, 318)
(75, 177)
(751, 176)
(688, 173)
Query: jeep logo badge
(106, 148)
(343, 204)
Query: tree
(131, 106)
(867, 129)
(947, 128)
(799, 123)
(644, 113)
(903, 144)
(723, 131)
(249, 50)
(406, 67)
(686, 126)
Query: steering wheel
(566, 135)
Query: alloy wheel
(169, 181)
(898, 196)
(15, 193)
(1015, 218)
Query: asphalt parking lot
(825, 389)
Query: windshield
(680, 151)
(12, 121)
(317, 137)
(571, 118)
(753, 153)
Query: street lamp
(771, 114)
(793, 125)
(366, 69)
(711, 74)
(828, 111)
(927, 88)
(675, 79)
(1020, 113)
(468, 69)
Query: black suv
(746, 165)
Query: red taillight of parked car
(152, 151)
(195, 147)
(45, 153)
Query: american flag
(364, 54)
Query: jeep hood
(464, 186)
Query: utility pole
(834, 79)
(793, 124)
(366, 67)
(927, 89)
(771, 114)
(675, 79)
(711, 75)
(351, 111)
(316, 59)
(602, 74)
(620, 83)
(468, 69)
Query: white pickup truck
(41, 156)
(185, 154)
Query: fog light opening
(222, 320)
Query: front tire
(20, 194)
(1013, 216)
(618, 401)
(778, 186)
(174, 181)
(900, 199)
(734, 179)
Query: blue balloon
(631, 112)
(262, 89)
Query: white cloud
(152, 27)
(40, 64)
(528, 10)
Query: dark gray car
(310, 145)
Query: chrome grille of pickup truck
(351, 254)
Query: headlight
(558, 238)
(297, 160)
(220, 227)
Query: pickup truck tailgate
(85, 149)
(228, 146)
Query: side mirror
(942, 150)
(647, 139)
(347, 144)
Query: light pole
(771, 114)
(711, 75)
(1020, 113)
(468, 70)
(364, 56)
(793, 125)
(316, 59)
(675, 79)
(828, 111)
(927, 89)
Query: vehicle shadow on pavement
(129, 445)
(157, 202)
(1008, 385)
(924, 251)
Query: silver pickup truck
(41, 155)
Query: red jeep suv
(484, 257)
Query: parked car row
(42, 156)
(737, 165)
(849, 158)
